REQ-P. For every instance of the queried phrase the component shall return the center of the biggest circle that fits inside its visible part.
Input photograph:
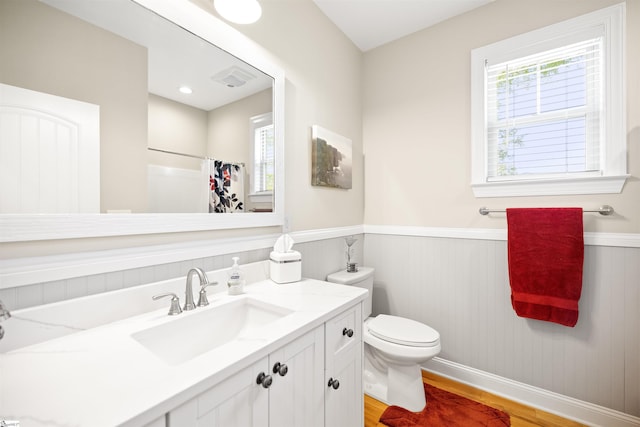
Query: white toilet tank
(363, 278)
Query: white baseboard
(564, 406)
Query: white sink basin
(193, 333)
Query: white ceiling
(175, 56)
(372, 23)
(368, 23)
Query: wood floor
(521, 415)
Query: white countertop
(103, 377)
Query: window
(263, 155)
(548, 110)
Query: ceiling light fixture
(185, 89)
(239, 11)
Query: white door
(49, 153)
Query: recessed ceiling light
(185, 89)
(239, 11)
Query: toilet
(394, 349)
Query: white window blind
(264, 156)
(544, 113)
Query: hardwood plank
(521, 415)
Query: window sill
(551, 187)
(266, 197)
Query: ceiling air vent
(233, 77)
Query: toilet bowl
(394, 349)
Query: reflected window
(263, 159)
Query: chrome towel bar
(602, 210)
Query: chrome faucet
(204, 281)
(4, 315)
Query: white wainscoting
(460, 287)
(27, 282)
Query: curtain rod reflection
(190, 155)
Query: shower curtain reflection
(194, 184)
(226, 185)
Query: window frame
(608, 22)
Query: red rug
(445, 409)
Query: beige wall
(228, 134)
(45, 50)
(176, 127)
(416, 114)
(323, 70)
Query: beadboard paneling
(461, 288)
(323, 257)
(52, 291)
(319, 258)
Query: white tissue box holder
(285, 267)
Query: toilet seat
(402, 331)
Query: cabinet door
(236, 401)
(344, 401)
(296, 398)
(344, 404)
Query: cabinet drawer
(344, 331)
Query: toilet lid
(403, 331)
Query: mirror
(128, 60)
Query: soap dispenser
(236, 279)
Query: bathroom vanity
(275, 355)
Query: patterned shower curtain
(226, 184)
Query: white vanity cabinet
(309, 331)
(158, 422)
(290, 391)
(313, 381)
(344, 404)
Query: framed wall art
(331, 159)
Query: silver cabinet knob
(347, 332)
(175, 303)
(281, 369)
(333, 383)
(264, 379)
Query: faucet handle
(202, 298)
(4, 312)
(175, 303)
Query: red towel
(546, 255)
